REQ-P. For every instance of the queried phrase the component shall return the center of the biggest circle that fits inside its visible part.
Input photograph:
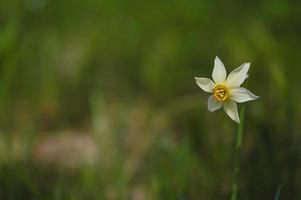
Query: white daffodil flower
(226, 91)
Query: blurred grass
(98, 99)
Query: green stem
(238, 142)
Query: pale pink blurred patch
(67, 148)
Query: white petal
(241, 95)
(219, 73)
(213, 104)
(238, 75)
(230, 108)
(205, 83)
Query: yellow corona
(221, 92)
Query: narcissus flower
(226, 91)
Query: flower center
(221, 93)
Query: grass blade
(278, 192)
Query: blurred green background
(98, 99)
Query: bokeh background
(98, 99)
